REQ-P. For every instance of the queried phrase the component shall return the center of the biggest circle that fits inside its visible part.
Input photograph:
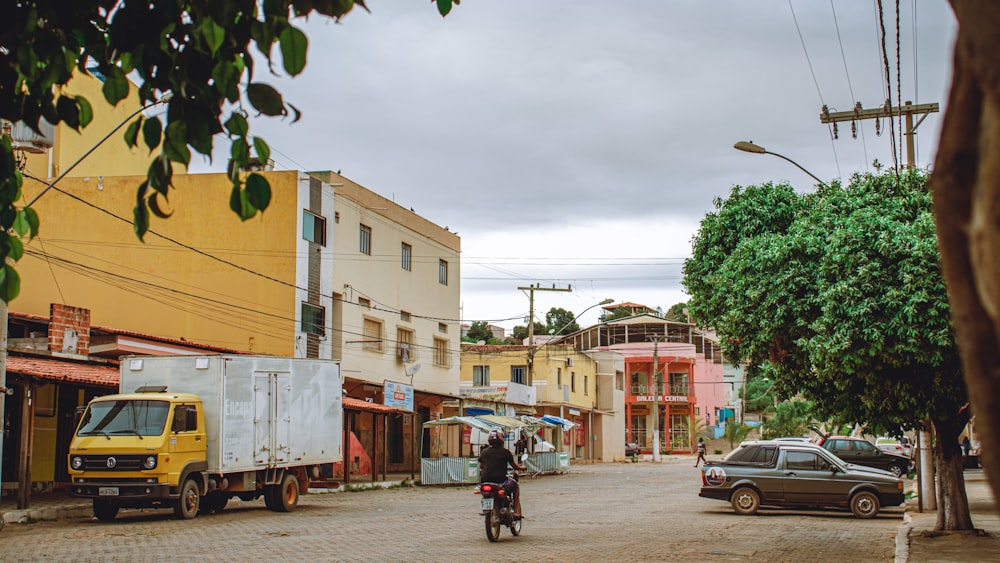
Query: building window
(585, 384)
(480, 376)
(558, 378)
(679, 384)
(313, 228)
(443, 272)
(373, 335)
(407, 254)
(404, 345)
(404, 316)
(365, 302)
(313, 319)
(519, 374)
(572, 381)
(443, 328)
(441, 356)
(366, 240)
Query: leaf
(237, 125)
(31, 216)
(16, 250)
(293, 49)
(140, 219)
(154, 205)
(68, 111)
(151, 132)
(265, 99)
(115, 87)
(444, 7)
(175, 143)
(132, 132)
(258, 191)
(263, 151)
(213, 34)
(10, 283)
(21, 225)
(239, 202)
(86, 111)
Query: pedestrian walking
(701, 451)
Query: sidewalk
(917, 543)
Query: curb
(902, 554)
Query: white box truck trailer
(192, 432)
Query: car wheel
(745, 501)
(895, 469)
(865, 504)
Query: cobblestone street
(621, 512)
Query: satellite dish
(412, 370)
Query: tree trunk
(953, 503)
(966, 185)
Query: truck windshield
(141, 418)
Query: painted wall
(244, 298)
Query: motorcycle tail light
(486, 489)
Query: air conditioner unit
(569, 361)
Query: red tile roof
(361, 405)
(53, 369)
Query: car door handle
(790, 474)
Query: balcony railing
(681, 389)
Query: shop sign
(398, 395)
(491, 393)
(661, 398)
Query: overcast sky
(580, 142)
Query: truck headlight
(149, 462)
(76, 462)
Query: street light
(747, 146)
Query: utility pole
(908, 110)
(531, 289)
(925, 465)
(656, 396)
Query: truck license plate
(107, 491)
(487, 504)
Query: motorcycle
(497, 506)
(498, 509)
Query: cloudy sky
(574, 142)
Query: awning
(476, 411)
(64, 371)
(504, 421)
(360, 405)
(559, 421)
(472, 421)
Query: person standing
(702, 447)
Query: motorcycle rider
(493, 462)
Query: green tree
(838, 295)
(788, 418)
(192, 56)
(560, 321)
(480, 330)
(618, 313)
(735, 432)
(520, 332)
(676, 312)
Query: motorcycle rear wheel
(515, 527)
(492, 520)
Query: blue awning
(552, 419)
(476, 411)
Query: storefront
(673, 403)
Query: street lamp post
(747, 146)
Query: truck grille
(112, 462)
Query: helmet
(495, 438)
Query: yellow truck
(192, 432)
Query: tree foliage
(196, 57)
(560, 321)
(839, 296)
(676, 312)
(618, 313)
(480, 330)
(788, 418)
(735, 432)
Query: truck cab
(140, 450)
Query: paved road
(614, 512)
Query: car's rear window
(753, 454)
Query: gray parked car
(784, 473)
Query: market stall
(459, 465)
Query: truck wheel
(287, 495)
(186, 507)
(104, 510)
(745, 501)
(865, 504)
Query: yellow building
(566, 383)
